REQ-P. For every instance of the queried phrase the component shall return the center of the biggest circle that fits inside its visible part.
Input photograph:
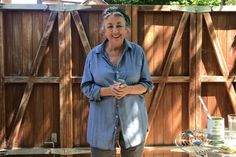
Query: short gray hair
(118, 11)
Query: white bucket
(215, 128)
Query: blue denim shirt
(105, 112)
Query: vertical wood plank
(141, 28)
(27, 35)
(198, 70)
(134, 24)
(16, 43)
(45, 92)
(8, 42)
(167, 115)
(221, 93)
(195, 65)
(2, 87)
(93, 29)
(148, 41)
(176, 88)
(38, 109)
(68, 79)
(27, 29)
(192, 72)
(158, 58)
(169, 29)
(128, 10)
(64, 43)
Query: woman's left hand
(119, 90)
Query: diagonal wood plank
(2, 87)
(20, 113)
(43, 44)
(29, 86)
(82, 33)
(171, 55)
(220, 59)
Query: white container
(215, 128)
(232, 125)
(232, 121)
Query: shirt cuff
(148, 88)
(97, 96)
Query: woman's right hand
(118, 90)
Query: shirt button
(115, 128)
(117, 116)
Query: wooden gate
(42, 54)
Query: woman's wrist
(106, 91)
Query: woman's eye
(118, 26)
(109, 27)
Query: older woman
(115, 79)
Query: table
(211, 154)
(196, 143)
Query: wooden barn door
(165, 38)
(26, 41)
(42, 55)
(218, 68)
(186, 61)
(36, 77)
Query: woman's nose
(115, 29)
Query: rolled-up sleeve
(88, 85)
(145, 78)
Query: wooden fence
(191, 51)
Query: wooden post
(2, 88)
(198, 59)
(194, 71)
(65, 69)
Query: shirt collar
(101, 47)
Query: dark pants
(136, 151)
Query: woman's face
(114, 29)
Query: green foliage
(230, 2)
(206, 2)
(171, 2)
